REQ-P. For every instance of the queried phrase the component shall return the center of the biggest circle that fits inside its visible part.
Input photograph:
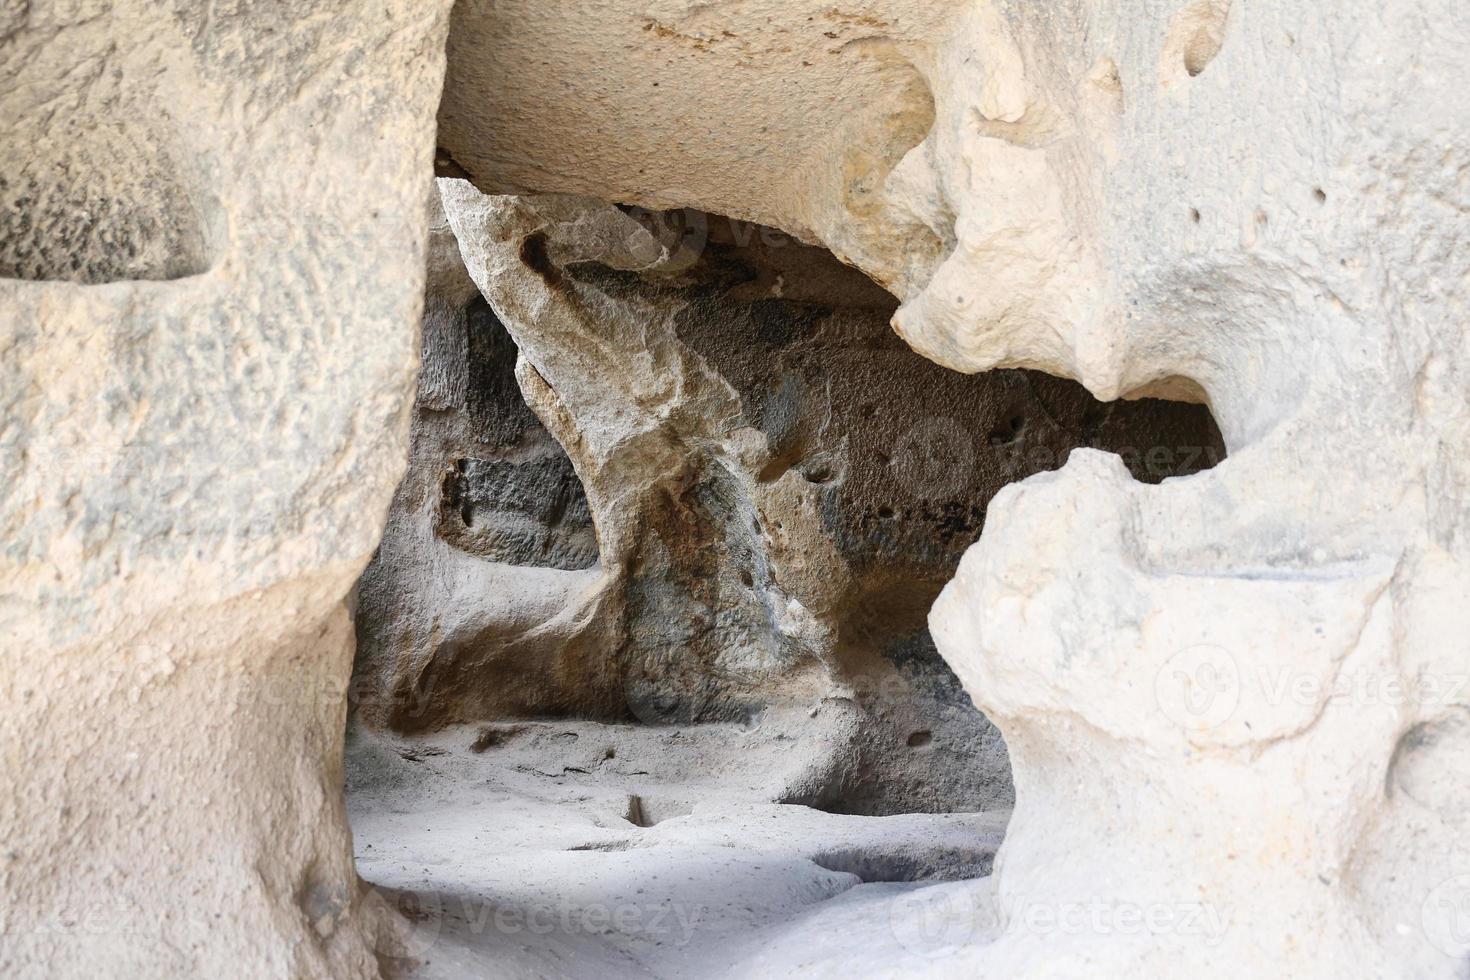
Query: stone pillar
(212, 260)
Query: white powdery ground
(527, 858)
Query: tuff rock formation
(779, 487)
(1242, 691)
(1234, 702)
(212, 238)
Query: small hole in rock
(885, 512)
(1003, 437)
(746, 579)
(1197, 33)
(1320, 195)
(635, 814)
(919, 740)
(1194, 215)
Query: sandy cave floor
(576, 849)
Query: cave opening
(667, 551)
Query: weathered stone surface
(1257, 207)
(489, 540)
(212, 236)
(1224, 670)
(1235, 701)
(780, 486)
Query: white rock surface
(516, 852)
(212, 235)
(1236, 702)
(1216, 689)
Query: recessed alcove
(566, 649)
(98, 200)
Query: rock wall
(1253, 206)
(1239, 693)
(1273, 650)
(780, 489)
(211, 238)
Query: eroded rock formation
(780, 490)
(211, 238)
(1235, 698)
(1256, 207)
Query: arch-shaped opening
(785, 489)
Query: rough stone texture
(489, 539)
(780, 487)
(1237, 695)
(1233, 674)
(1258, 206)
(212, 236)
